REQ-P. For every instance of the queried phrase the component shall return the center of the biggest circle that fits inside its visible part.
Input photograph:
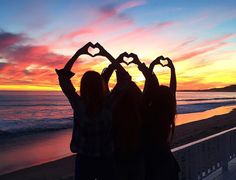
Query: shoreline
(39, 148)
(185, 133)
(196, 130)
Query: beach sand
(189, 132)
(64, 168)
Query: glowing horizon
(199, 37)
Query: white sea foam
(44, 111)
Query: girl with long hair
(126, 99)
(159, 110)
(92, 124)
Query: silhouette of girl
(92, 136)
(159, 104)
(126, 99)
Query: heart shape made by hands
(128, 60)
(93, 50)
(163, 62)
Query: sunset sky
(37, 36)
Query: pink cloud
(108, 19)
(112, 10)
(145, 38)
(35, 65)
(185, 43)
(218, 40)
(201, 51)
(166, 24)
(33, 54)
(18, 57)
(128, 5)
(80, 32)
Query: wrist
(109, 57)
(112, 66)
(151, 67)
(139, 63)
(141, 66)
(79, 52)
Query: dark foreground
(64, 168)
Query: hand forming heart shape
(128, 60)
(164, 62)
(93, 50)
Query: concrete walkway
(226, 175)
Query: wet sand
(189, 132)
(33, 149)
(185, 133)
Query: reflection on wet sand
(191, 117)
(22, 152)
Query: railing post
(201, 158)
(225, 140)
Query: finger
(98, 45)
(131, 62)
(89, 44)
(134, 56)
(124, 62)
(124, 54)
(121, 56)
(157, 61)
(160, 57)
(168, 59)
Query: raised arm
(106, 75)
(172, 76)
(122, 74)
(115, 62)
(107, 72)
(65, 74)
(155, 62)
(147, 73)
(141, 66)
(83, 50)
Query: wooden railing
(201, 158)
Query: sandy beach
(64, 168)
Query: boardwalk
(213, 157)
(224, 175)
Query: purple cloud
(8, 39)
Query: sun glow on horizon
(200, 38)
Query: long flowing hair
(160, 111)
(127, 121)
(92, 91)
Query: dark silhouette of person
(127, 123)
(126, 100)
(159, 110)
(92, 124)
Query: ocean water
(26, 112)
